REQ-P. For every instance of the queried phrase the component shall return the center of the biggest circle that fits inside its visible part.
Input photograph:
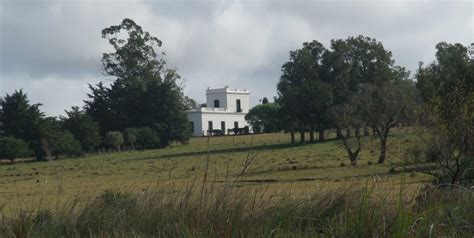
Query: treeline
(355, 88)
(144, 106)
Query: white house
(225, 110)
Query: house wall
(216, 94)
(232, 102)
(196, 118)
(216, 119)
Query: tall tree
(451, 74)
(386, 106)
(19, 118)
(301, 91)
(145, 93)
(22, 120)
(352, 62)
(447, 87)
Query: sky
(52, 49)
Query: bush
(113, 139)
(147, 137)
(64, 143)
(130, 137)
(11, 148)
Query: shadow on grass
(236, 150)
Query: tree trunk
(311, 135)
(292, 135)
(302, 139)
(353, 159)
(366, 131)
(383, 149)
(338, 134)
(373, 132)
(321, 134)
(348, 133)
(46, 152)
(357, 132)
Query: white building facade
(225, 110)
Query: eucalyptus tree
(144, 93)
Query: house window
(216, 103)
(239, 108)
(210, 126)
(223, 126)
(191, 125)
(236, 124)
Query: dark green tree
(83, 128)
(12, 148)
(20, 119)
(353, 62)
(145, 93)
(303, 94)
(264, 118)
(451, 74)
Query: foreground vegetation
(242, 212)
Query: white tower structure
(225, 110)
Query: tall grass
(227, 210)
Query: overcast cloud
(52, 49)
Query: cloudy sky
(51, 49)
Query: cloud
(52, 49)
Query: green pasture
(276, 166)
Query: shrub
(130, 137)
(147, 137)
(64, 143)
(11, 148)
(113, 139)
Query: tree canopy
(144, 93)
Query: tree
(386, 106)
(264, 100)
(298, 89)
(12, 148)
(83, 128)
(264, 118)
(349, 116)
(144, 93)
(353, 62)
(451, 74)
(113, 139)
(20, 119)
(446, 86)
(190, 103)
(446, 147)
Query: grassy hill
(275, 164)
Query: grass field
(202, 190)
(276, 166)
